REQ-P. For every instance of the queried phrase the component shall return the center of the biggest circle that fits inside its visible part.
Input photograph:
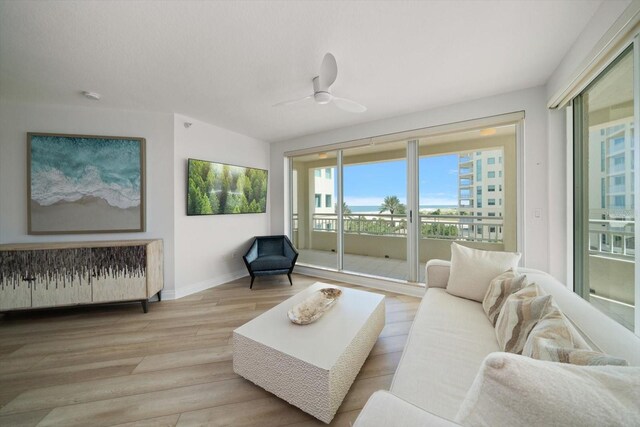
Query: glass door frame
(580, 217)
(412, 211)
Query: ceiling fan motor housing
(320, 94)
(322, 97)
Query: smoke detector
(94, 96)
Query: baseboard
(414, 290)
(193, 288)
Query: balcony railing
(612, 238)
(449, 227)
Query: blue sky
(368, 184)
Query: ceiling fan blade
(292, 102)
(328, 71)
(349, 105)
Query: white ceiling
(226, 63)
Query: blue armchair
(270, 255)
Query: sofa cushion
(499, 290)
(512, 390)
(520, 314)
(473, 269)
(271, 262)
(449, 338)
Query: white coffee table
(310, 366)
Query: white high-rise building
(611, 184)
(481, 191)
(324, 190)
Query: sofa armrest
(383, 409)
(437, 273)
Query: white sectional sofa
(449, 339)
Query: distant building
(611, 187)
(324, 195)
(481, 192)
(611, 184)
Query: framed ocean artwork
(85, 184)
(218, 188)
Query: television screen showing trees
(217, 188)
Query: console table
(38, 275)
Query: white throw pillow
(512, 390)
(473, 269)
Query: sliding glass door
(313, 207)
(467, 192)
(605, 198)
(374, 216)
(385, 208)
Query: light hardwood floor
(114, 365)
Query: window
(479, 204)
(491, 161)
(478, 170)
(603, 156)
(327, 200)
(618, 144)
(318, 173)
(479, 191)
(492, 214)
(500, 174)
(491, 174)
(618, 201)
(327, 173)
(491, 202)
(491, 188)
(603, 194)
(318, 201)
(500, 187)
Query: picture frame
(215, 188)
(85, 184)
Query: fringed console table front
(36, 275)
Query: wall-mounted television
(218, 189)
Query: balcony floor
(373, 266)
(621, 313)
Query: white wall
(602, 20)
(560, 262)
(204, 245)
(18, 119)
(536, 173)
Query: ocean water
(376, 209)
(68, 169)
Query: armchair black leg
(145, 307)
(289, 276)
(251, 286)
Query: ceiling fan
(321, 84)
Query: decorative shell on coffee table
(312, 308)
